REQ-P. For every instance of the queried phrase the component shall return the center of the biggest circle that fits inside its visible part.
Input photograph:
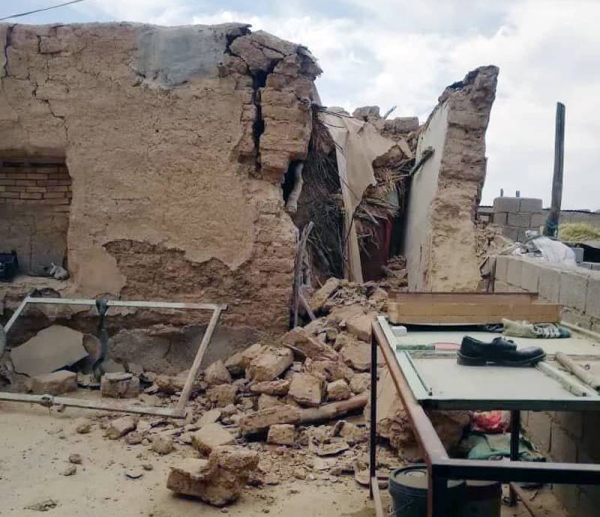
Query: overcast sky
(404, 52)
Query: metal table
(425, 380)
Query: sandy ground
(36, 444)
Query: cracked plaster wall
(176, 195)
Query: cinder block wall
(516, 215)
(563, 436)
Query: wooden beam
(551, 224)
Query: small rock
(134, 473)
(298, 339)
(69, 471)
(121, 426)
(55, 383)
(262, 420)
(209, 417)
(75, 458)
(360, 383)
(270, 364)
(222, 395)
(134, 438)
(330, 449)
(281, 434)
(83, 428)
(237, 363)
(162, 444)
(217, 374)
(357, 355)
(307, 389)
(338, 390)
(361, 326)
(120, 385)
(42, 506)
(318, 299)
(210, 437)
(299, 473)
(147, 466)
(276, 387)
(353, 434)
(266, 401)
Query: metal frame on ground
(177, 412)
(440, 466)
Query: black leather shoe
(500, 351)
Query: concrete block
(528, 204)
(549, 284)
(578, 254)
(514, 274)
(530, 276)
(568, 495)
(570, 421)
(573, 290)
(539, 429)
(537, 220)
(500, 218)
(575, 318)
(592, 304)
(510, 233)
(501, 267)
(506, 204)
(563, 448)
(519, 220)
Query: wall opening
(35, 202)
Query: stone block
(318, 299)
(238, 362)
(266, 401)
(549, 284)
(121, 426)
(592, 304)
(519, 220)
(162, 444)
(216, 374)
(530, 276)
(338, 390)
(573, 290)
(276, 387)
(361, 326)
(55, 383)
(514, 272)
(307, 390)
(222, 395)
(539, 429)
(261, 420)
(120, 385)
(210, 437)
(281, 434)
(563, 446)
(500, 218)
(506, 204)
(298, 339)
(270, 364)
(511, 233)
(530, 205)
(537, 220)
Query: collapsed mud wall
(176, 141)
(440, 243)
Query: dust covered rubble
(282, 411)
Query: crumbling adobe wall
(176, 140)
(440, 242)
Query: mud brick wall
(517, 215)
(563, 436)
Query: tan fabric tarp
(358, 144)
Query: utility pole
(551, 224)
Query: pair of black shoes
(500, 351)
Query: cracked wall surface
(176, 140)
(440, 242)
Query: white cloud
(402, 52)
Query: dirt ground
(36, 445)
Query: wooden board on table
(468, 309)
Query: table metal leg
(515, 438)
(438, 488)
(373, 426)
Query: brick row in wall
(27, 182)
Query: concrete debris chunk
(134, 438)
(357, 355)
(75, 458)
(42, 506)
(281, 434)
(262, 420)
(338, 390)
(276, 387)
(299, 340)
(222, 395)
(216, 374)
(210, 437)
(361, 326)
(120, 385)
(307, 389)
(121, 426)
(360, 383)
(209, 417)
(336, 446)
(83, 427)
(238, 362)
(353, 434)
(134, 473)
(318, 299)
(266, 401)
(217, 481)
(71, 470)
(55, 383)
(50, 349)
(162, 444)
(270, 364)
(330, 370)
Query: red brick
(30, 195)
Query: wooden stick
(298, 270)
(551, 224)
(333, 410)
(583, 375)
(567, 382)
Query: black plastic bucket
(482, 499)
(408, 489)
